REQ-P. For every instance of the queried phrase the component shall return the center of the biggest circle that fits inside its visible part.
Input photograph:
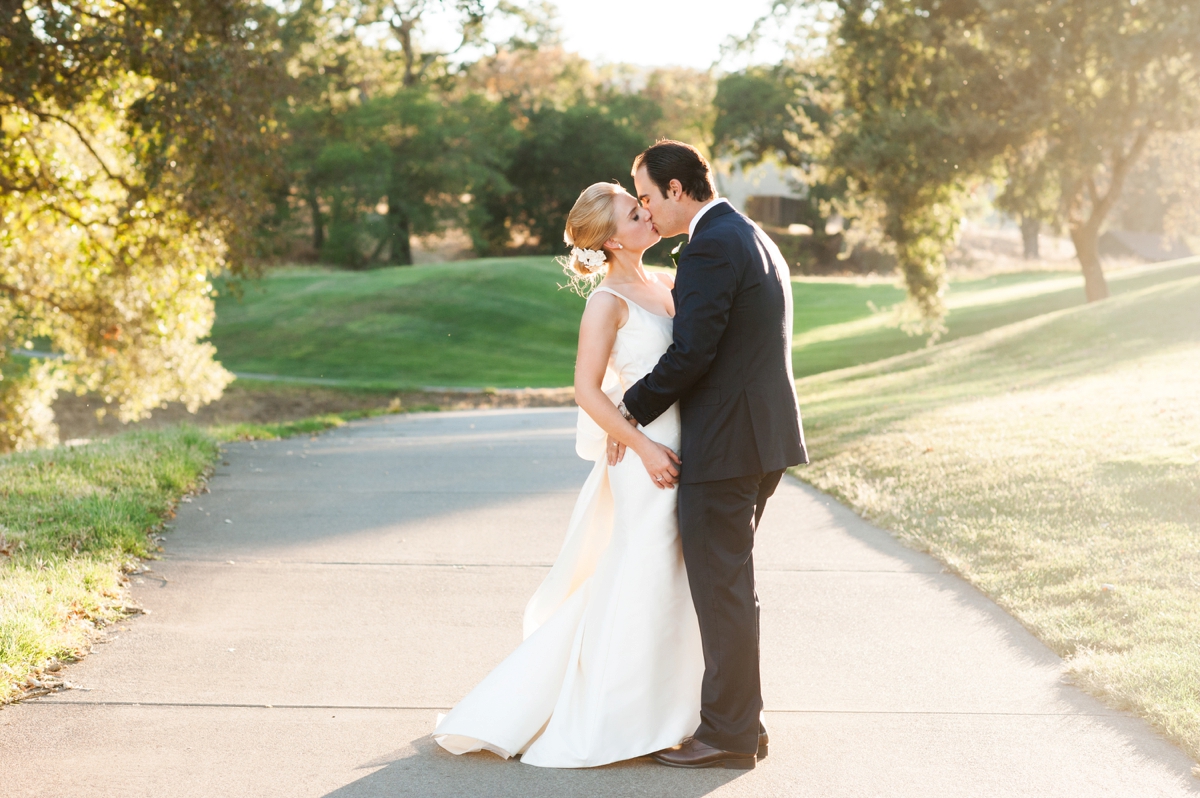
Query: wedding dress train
(611, 664)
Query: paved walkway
(315, 610)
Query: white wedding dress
(611, 665)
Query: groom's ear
(675, 190)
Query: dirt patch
(259, 403)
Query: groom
(730, 370)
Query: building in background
(765, 188)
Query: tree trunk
(399, 232)
(1030, 228)
(1086, 232)
(1087, 249)
(318, 224)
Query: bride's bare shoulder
(666, 278)
(604, 307)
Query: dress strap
(608, 290)
(628, 302)
(620, 296)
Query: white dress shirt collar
(701, 212)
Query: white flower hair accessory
(592, 258)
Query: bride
(611, 665)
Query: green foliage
(121, 125)
(388, 140)
(685, 100)
(70, 521)
(562, 152)
(772, 111)
(383, 143)
(416, 153)
(924, 111)
(437, 164)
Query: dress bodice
(640, 343)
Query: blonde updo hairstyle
(591, 222)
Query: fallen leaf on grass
(8, 547)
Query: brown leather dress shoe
(692, 753)
(764, 741)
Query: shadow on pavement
(426, 770)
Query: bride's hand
(662, 464)
(616, 449)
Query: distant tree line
(896, 109)
(386, 140)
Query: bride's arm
(597, 334)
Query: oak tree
(133, 137)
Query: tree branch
(16, 293)
(85, 226)
(11, 187)
(1122, 164)
(404, 25)
(84, 140)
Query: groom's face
(668, 215)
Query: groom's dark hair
(673, 160)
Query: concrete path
(314, 612)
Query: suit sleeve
(705, 285)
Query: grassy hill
(499, 322)
(1055, 463)
(841, 323)
(506, 323)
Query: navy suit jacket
(730, 363)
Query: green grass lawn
(506, 323)
(842, 323)
(500, 322)
(72, 522)
(1054, 463)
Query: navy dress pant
(717, 522)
